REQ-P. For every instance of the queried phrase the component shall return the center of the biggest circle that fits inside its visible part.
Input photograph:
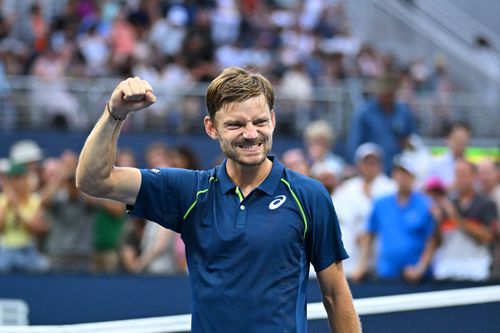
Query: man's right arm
(96, 175)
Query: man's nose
(250, 131)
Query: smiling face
(244, 130)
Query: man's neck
(247, 178)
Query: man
(405, 226)
(354, 199)
(467, 231)
(382, 120)
(489, 179)
(443, 167)
(250, 226)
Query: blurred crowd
(47, 224)
(298, 45)
(423, 216)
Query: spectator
(50, 92)
(296, 160)
(420, 154)
(159, 253)
(95, 50)
(405, 226)
(354, 200)
(69, 242)
(184, 157)
(489, 180)
(131, 250)
(29, 154)
(21, 222)
(443, 167)
(467, 230)
(297, 88)
(109, 224)
(382, 120)
(319, 138)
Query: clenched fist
(130, 95)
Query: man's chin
(250, 161)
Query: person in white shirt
(354, 198)
(443, 167)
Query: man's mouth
(250, 146)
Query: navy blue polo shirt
(248, 257)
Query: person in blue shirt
(383, 120)
(251, 227)
(405, 227)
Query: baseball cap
(326, 166)
(435, 184)
(367, 149)
(16, 169)
(406, 163)
(25, 151)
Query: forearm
(477, 231)
(428, 253)
(342, 316)
(97, 156)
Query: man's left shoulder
(304, 185)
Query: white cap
(367, 149)
(25, 151)
(406, 163)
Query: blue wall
(68, 299)
(55, 142)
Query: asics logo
(278, 201)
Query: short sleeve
(324, 239)
(164, 196)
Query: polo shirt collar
(268, 186)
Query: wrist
(108, 109)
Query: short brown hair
(236, 84)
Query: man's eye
(260, 123)
(233, 126)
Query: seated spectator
(21, 221)
(354, 198)
(296, 160)
(319, 138)
(467, 230)
(405, 226)
(49, 94)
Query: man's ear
(210, 128)
(273, 119)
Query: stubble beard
(231, 152)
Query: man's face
(464, 176)
(244, 130)
(404, 179)
(369, 166)
(458, 141)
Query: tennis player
(251, 227)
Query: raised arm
(96, 175)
